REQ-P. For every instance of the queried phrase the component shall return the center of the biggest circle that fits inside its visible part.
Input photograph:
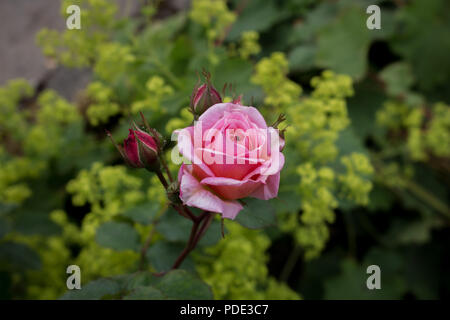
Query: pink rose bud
(238, 100)
(139, 149)
(204, 97)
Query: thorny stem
(162, 179)
(194, 237)
(164, 164)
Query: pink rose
(233, 155)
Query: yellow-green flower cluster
(102, 105)
(45, 138)
(48, 282)
(271, 75)
(438, 134)
(12, 173)
(318, 119)
(424, 135)
(108, 189)
(11, 120)
(113, 60)
(29, 136)
(183, 121)
(79, 47)
(354, 185)
(317, 187)
(249, 44)
(157, 89)
(213, 15)
(236, 268)
(321, 117)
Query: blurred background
(367, 155)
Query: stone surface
(20, 57)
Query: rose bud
(238, 100)
(204, 97)
(139, 150)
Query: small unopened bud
(204, 96)
(139, 150)
(238, 100)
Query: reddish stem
(194, 237)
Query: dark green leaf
(182, 285)
(174, 227)
(145, 293)
(256, 214)
(94, 290)
(34, 222)
(162, 256)
(5, 226)
(144, 213)
(343, 45)
(18, 256)
(398, 78)
(117, 236)
(258, 15)
(302, 58)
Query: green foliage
(247, 279)
(257, 214)
(175, 285)
(117, 236)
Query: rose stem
(162, 179)
(194, 237)
(164, 163)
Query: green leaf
(144, 213)
(237, 72)
(174, 227)
(344, 44)
(5, 226)
(213, 234)
(351, 283)
(117, 236)
(18, 256)
(182, 285)
(398, 78)
(362, 108)
(258, 15)
(31, 222)
(162, 256)
(176, 284)
(256, 214)
(145, 293)
(94, 290)
(302, 58)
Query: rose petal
(193, 194)
(231, 189)
(268, 190)
(217, 111)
